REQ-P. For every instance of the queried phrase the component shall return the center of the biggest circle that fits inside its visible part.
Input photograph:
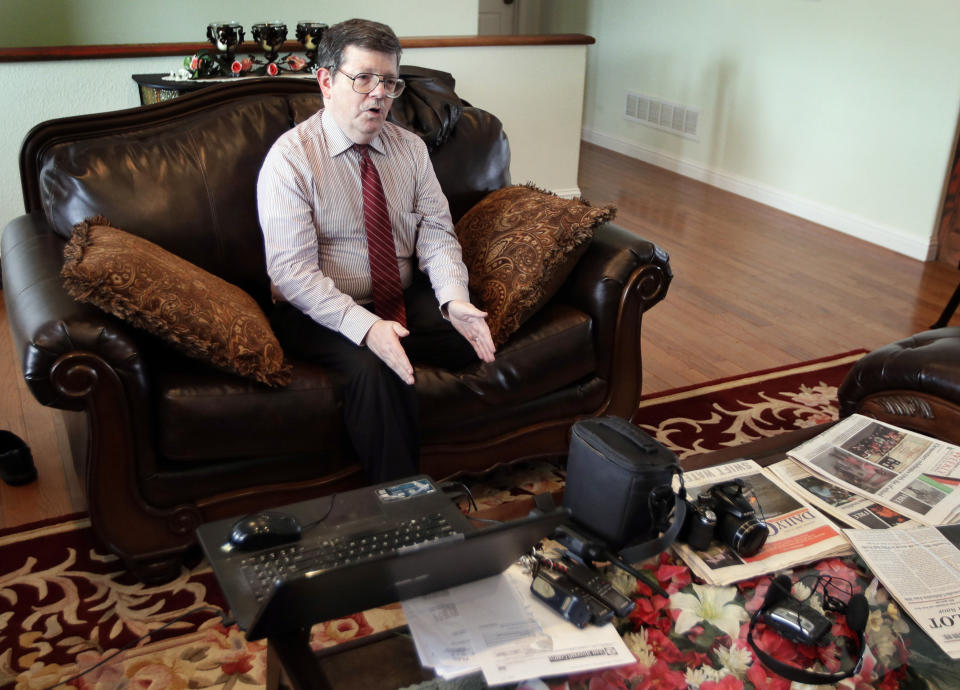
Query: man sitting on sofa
(348, 203)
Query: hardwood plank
(755, 288)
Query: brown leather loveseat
(162, 443)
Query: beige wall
(840, 111)
(73, 22)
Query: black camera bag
(619, 486)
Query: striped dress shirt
(310, 205)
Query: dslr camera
(724, 513)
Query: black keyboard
(264, 568)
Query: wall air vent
(670, 117)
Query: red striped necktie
(384, 271)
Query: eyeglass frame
(401, 84)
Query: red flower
(649, 611)
(272, 69)
(238, 666)
(194, 62)
(757, 675)
(236, 67)
(728, 683)
(673, 578)
(662, 646)
(662, 676)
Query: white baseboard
(569, 193)
(848, 223)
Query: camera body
(724, 513)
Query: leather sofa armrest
(65, 347)
(620, 276)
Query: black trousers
(380, 411)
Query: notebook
(309, 595)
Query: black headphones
(796, 621)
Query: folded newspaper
(799, 533)
(910, 473)
(921, 570)
(845, 506)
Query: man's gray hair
(362, 33)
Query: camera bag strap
(634, 553)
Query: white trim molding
(889, 237)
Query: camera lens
(747, 537)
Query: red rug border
(749, 374)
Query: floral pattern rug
(68, 605)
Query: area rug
(65, 604)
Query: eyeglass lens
(365, 83)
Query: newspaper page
(913, 474)
(798, 532)
(847, 507)
(921, 570)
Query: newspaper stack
(799, 533)
(912, 475)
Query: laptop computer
(314, 594)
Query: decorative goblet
(270, 36)
(309, 35)
(226, 37)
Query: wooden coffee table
(388, 660)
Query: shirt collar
(337, 141)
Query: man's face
(360, 115)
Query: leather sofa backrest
(183, 173)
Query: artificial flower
(736, 658)
(272, 69)
(296, 63)
(714, 605)
(236, 67)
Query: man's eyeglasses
(366, 82)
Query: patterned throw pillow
(198, 313)
(519, 244)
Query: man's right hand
(383, 339)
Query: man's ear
(325, 80)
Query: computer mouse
(264, 530)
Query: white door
(497, 17)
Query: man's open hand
(383, 339)
(471, 323)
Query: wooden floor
(754, 288)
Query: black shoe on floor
(16, 462)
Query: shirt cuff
(356, 323)
(450, 293)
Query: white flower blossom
(735, 659)
(714, 605)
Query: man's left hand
(471, 323)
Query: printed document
(497, 626)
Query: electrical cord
(311, 525)
(464, 489)
(227, 621)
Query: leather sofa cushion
(205, 415)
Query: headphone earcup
(857, 613)
(779, 590)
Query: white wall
(543, 123)
(840, 111)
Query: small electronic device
(264, 530)
(555, 590)
(594, 585)
(797, 622)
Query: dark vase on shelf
(270, 36)
(309, 35)
(225, 37)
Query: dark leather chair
(162, 443)
(912, 383)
